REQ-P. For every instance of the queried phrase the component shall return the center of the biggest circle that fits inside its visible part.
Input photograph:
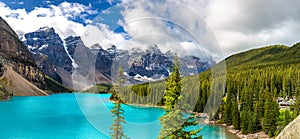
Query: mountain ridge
(155, 64)
(49, 52)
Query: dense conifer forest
(255, 80)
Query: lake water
(80, 116)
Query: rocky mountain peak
(71, 43)
(112, 49)
(44, 37)
(47, 29)
(49, 52)
(96, 47)
(72, 39)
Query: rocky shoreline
(238, 133)
(4, 95)
(4, 98)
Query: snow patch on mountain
(66, 50)
(35, 38)
(44, 28)
(43, 46)
(143, 78)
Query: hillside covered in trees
(255, 80)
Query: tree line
(249, 103)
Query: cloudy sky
(215, 27)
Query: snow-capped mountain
(49, 52)
(147, 65)
(53, 53)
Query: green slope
(55, 87)
(101, 88)
(275, 55)
(254, 80)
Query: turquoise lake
(80, 116)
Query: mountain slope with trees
(274, 55)
(255, 80)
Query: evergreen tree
(235, 116)
(244, 122)
(174, 122)
(227, 114)
(173, 86)
(260, 104)
(117, 131)
(259, 110)
(251, 122)
(270, 117)
(257, 123)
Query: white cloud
(96, 35)
(100, 34)
(242, 25)
(237, 25)
(169, 24)
(57, 17)
(74, 9)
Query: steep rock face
(192, 64)
(14, 52)
(150, 63)
(72, 42)
(49, 52)
(99, 58)
(156, 64)
(1, 66)
(85, 59)
(47, 66)
(103, 62)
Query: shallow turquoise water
(79, 116)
